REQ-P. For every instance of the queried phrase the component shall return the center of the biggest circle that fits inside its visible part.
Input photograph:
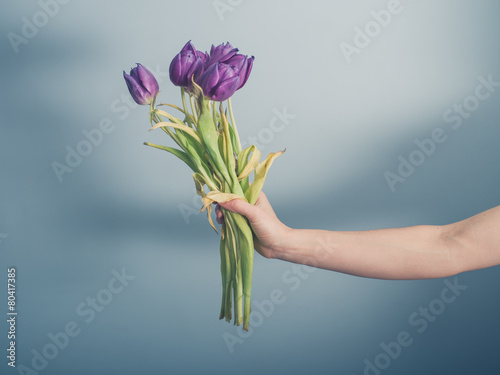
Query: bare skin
(419, 252)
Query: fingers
(219, 216)
(263, 203)
(241, 207)
(250, 211)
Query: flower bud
(141, 84)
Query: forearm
(400, 253)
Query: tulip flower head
(141, 84)
(186, 64)
(219, 73)
(221, 53)
(220, 81)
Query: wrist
(281, 248)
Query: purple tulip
(186, 64)
(220, 81)
(244, 65)
(141, 84)
(221, 53)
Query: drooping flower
(219, 81)
(187, 63)
(141, 84)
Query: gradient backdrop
(132, 209)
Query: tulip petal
(175, 70)
(221, 53)
(245, 73)
(188, 47)
(237, 60)
(135, 74)
(209, 79)
(225, 89)
(195, 70)
(136, 90)
(147, 80)
(227, 71)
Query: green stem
(223, 266)
(245, 248)
(186, 112)
(193, 108)
(238, 296)
(233, 124)
(214, 113)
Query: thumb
(241, 207)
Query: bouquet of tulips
(208, 142)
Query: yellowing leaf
(245, 166)
(260, 176)
(218, 197)
(184, 128)
(199, 182)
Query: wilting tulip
(141, 84)
(185, 64)
(244, 65)
(220, 81)
(209, 144)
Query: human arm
(418, 252)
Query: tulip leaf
(210, 135)
(218, 197)
(180, 154)
(196, 154)
(234, 139)
(199, 182)
(260, 176)
(222, 148)
(173, 106)
(193, 133)
(169, 116)
(197, 90)
(246, 166)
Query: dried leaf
(260, 176)
(245, 166)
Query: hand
(269, 231)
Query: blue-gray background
(121, 206)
